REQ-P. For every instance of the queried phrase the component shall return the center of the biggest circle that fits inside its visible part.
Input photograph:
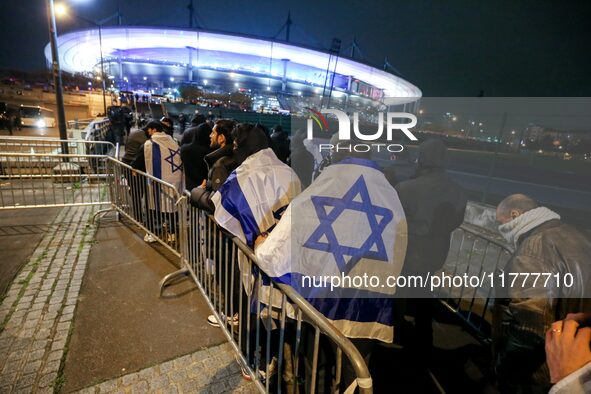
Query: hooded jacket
(524, 314)
(280, 144)
(193, 156)
(222, 162)
(434, 206)
(301, 160)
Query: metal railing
(33, 180)
(472, 252)
(149, 202)
(78, 124)
(49, 146)
(275, 331)
(282, 342)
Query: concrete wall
(78, 105)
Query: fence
(473, 253)
(150, 203)
(275, 330)
(49, 146)
(90, 130)
(282, 342)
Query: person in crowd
(221, 162)
(187, 136)
(252, 200)
(543, 245)
(434, 206)
(275, 183)
(193, 156)
(127, 117)
(135, 141)
(301, 160)
(299, 245)
(160, 157)
(118, 123)
(568, 354)
(168, 125)
(182, 123)
(280, 143)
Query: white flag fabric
(255, 195)
(348, 222)
(163, 161)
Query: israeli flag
(163, 161)
(255, 195)
(349, 222)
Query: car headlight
(40, 123)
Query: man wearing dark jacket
(544, 245)
(301, 160)
(193, 156)
(220, 163)
(280, 143)
(188, 134)
(134, 141)
(434, 206)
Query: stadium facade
(158, 60)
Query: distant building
(158, 60)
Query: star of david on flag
(170, 159)
(328, 210)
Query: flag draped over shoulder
(255, 195)
(348, 222)
(163, 161)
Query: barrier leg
(173, 277)
(97, 213)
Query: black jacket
(220, 164)
(193, 157)
(280, 145)
(434, 206)
(301, 161)
(189, 134)
(135, 140)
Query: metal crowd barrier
(472, 252)
(282, 342)
(78, 124)
(49, 146)
(273, 329)
(150, 203)
(36, 174)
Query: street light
(64, 12)
(57, 77)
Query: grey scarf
(526, 222)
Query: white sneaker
(149, 238)
(171, 238)
(213, 321)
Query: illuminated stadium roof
(79, 52)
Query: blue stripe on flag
(157, 172)
(235, 203)
(156, 161)
(365, 310)
(361, 162)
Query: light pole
(57, 77)
(99, 26)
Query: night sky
(446, 48)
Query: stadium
(159, 60)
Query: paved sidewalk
(212, 370)
(37, 313)
(37, 320)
